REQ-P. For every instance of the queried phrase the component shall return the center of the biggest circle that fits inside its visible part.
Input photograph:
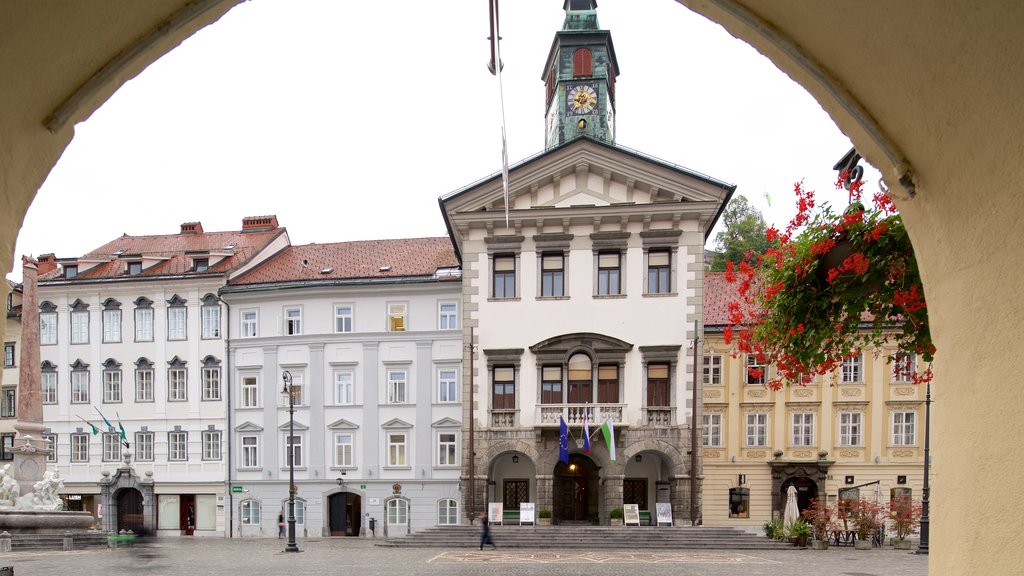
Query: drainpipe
(693, 431)
(227, 432)
(472, 453)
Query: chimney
(47, 263)
(192, 228)
(259, 223)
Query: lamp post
(290, 447)
(922, 547)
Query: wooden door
(129, 511)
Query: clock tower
(579, 77)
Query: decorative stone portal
(804, 473)
(576, 492)
(128, 501)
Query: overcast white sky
(349, 119)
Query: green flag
(111, 426)
(95, 430)
(121, 426)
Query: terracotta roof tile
(410, 257)
(717, 295)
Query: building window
(47, 328)
(397, 317)
(250, 512)
(48, 386)
(398, 511)
(201, 264)
(143, 324)
(144, 384)
(300, 510)
(293, 321)
(111, 386)
(581, 383)
(343, 318)
(211, 445)
(552, 275)
(582, 62)
(211, 383)
(344, 450)
(447, 316)
(249, 323)
(51, 447)
(447, 512)
(7, 446)
(504, 396)
(249, 391)
(447, 386)
(343, 387)
(397, 387)
(176, 316)
(756, 372)
(504, 280)
(293, 450)
(609, 273)
(853, 368)
(111, 325)
(739, 503)
(551, 385)
(903, 368)
(249, 456)
(396, 450)
(80, 327)
(8, 400)
(111, 447)
(712, 430)
(658, 385)
(757, 429)
(446, 449)
(79, 447)
(713, 370)
(211, 321)
(903, 428)
(608, 384)
(803, 429)
(144, 446)
(658, 272)
(80, 386)
(177, 446)
(70, 271)
(9, 355)
(850, 428)
(295, 388)
(134, 268)
(177, 385)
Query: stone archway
(784, 472)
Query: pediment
(447, 423)
(298, 426)
(342, 424)
(395, 423)
(248, 427)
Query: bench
(645, 518)
(509, 517)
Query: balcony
(660, 416)
(504, 418)
(547, 415)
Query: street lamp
(922, 547)
(290, 447)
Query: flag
(121, 426)
(95, 430)
(586, 433)
(608, 431)
(563, 441)
(111, 426)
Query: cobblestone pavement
(362, 558)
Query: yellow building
(859, 430)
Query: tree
(744, 231)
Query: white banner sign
(631, 514)
(664, 513)
(494, 512)
(526, 510)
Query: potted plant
(544, 517)
(799, 532)
(773, 529)
(831, 285)
(905, 515)
(819, 515)
(867, 518)
(615, 517)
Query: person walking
(280, 524)
(485, 536)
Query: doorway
(345, 509)
(187, 514)
(576, 490)
(806, 490)
(129, 511)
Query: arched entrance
(129, 511)
(806, 490)
(345, 509)
(575, 493)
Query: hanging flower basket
(832, 285)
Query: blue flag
(563, 441)
(586, 433)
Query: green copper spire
(579, 75)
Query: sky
(349, 119)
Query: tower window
(582, 62)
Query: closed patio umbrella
(792, 511)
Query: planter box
(901, 544)
(543, 521)
(862, 545)
(819, 544)
(615, 521)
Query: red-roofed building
(12, 349)
(132, 330)
(369, 335)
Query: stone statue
(9, 488)
(45, 497)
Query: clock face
(582, 99)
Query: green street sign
(362, 486)
(236, 489)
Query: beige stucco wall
(941, 83)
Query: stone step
(41, 542)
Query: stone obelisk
(30, 448)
